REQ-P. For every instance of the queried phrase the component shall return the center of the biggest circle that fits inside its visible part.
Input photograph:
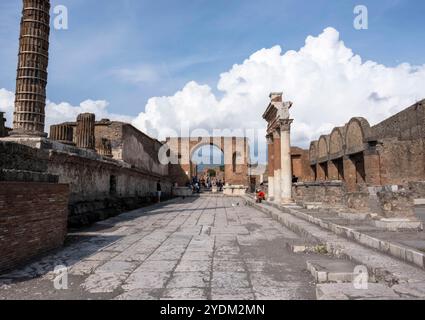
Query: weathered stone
(85, 137)
(30, 97)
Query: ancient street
(208, 247)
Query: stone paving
(210, 247)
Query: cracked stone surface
(196, 248)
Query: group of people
(196, 184)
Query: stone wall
(330, 192)
(99, 186)
(405, 125)
(33, 220)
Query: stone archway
(235, 151)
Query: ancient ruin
(279, 146)
(236, 159)
(31, 81)
(351, 201)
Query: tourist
(261, 196)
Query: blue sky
(130, 50)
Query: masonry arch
(357, 132)
(235, 170)
(336, 143)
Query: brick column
(31, 80)
(372, 167)
(270, 150)
(350, 174)
(321, 174)
(63, 133)
(333, 171)
(277, 166)
(85, 137)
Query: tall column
(286, 160)
(31, 81)
(270, 147)
(62, 132)
(277, 166)
(85, 137)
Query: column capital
(269, 138)
(285, 124)
(276, 134)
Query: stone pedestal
(85, 137)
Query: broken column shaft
(85, 137)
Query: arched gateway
(235, 151)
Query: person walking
(159, 190)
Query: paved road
(199, 248)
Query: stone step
(325, 271)
(299, 247)
(347, 291)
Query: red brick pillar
(332, 171)
(372, 167)
(321, 175)
(277, 166)
(350, 174)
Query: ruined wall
(33, 220)
(401, 161)
(331, 193)
(99, 187)
(405, 125)
(142, 151)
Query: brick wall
(33, 220)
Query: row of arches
(340, 155)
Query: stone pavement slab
(193, 248)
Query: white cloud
(326, 81)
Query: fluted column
(85, 137)
(270, 150)
(104, 147)
(31, 81)
(62, 132)
(277, 166)
(286, 160)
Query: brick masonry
(33, 220)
